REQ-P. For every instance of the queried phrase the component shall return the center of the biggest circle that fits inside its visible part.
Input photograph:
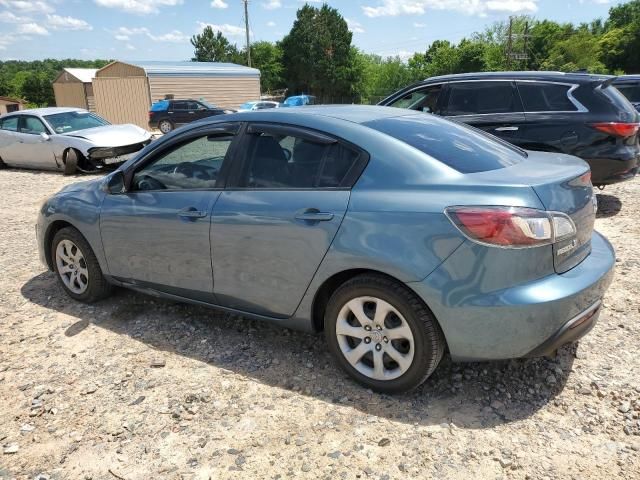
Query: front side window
(545, 97)
(423, 100)
(289, 162)
(10, 124)
(477, 98)
(33, 125)
(73, 121)
(193, 165)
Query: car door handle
(506, 129)
(191, 213)
(314, 215)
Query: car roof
(577, 77)
(627, 79)
(349, 113)
(48, 111)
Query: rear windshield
(160, 106)
(459, 146)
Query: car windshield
(247, 106)
(73, 121)
(207, 104)
(458, 146)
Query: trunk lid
(563, 184)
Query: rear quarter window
(458, 146)
(545, 97)
(630, 90)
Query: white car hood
(112, 135)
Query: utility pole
(510, 43)
(246, 27)
(526, 44)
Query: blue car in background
(399, 234)
(299, 101)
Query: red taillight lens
(617, 129)
(511, 227)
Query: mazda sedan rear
(399, 234)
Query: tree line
(318, 57)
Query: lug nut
(378, 347)
(378, 327)
(367, 340)
(386, 340)
(367, 328)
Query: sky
(161, 29)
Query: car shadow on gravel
(467, 395)
(608, 205)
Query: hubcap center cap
(376, 336)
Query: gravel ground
(136, 388)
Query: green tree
(267, 57)
(579, 51)
(317, 54)
(212, 46)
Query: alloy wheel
(72, 266)
(375, 338)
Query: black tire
(97, 286)
(2, 164)
(429, 342)
(71, 162)
(168, 126)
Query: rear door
(493, 106)
(552, 116)
(277, 218)
(179, 112)
(10, 140)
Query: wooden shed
(73, 88)
(9, 105)
(124, 91)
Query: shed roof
(194, 69)
(85, 75)
(12, 100)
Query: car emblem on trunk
(567, 248)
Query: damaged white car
(66, 139)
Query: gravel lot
(137, 388)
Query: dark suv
(573, 113)
(629, 86)
(166, 115)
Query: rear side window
(288, 162)
(476, 98)
(180, 106)
(10, 124)
(545, 97)
(617, 99)
(631, 91)
(458, 146)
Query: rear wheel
(382, 334)
(77, 267)
(165, 126)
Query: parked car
(400, 234)
(66, 139)
(299, 100)
(258, 105)
(166, 115)
(629, 86)
(573, 113)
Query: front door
(492, 106)
(275, 222)
(157, 234)
(35, 151)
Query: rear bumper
(605, 171)
(527, 319)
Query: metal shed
(73, 88)
(125, 90)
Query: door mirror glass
(116, 184)
(45, 136)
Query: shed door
(123, 100)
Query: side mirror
(45, 136)
(116, 183)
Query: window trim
(231, 128)
(348, 182)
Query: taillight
(618, 129)
(511, 227)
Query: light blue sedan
(399, 234)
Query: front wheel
(77, 267)
(382, 334)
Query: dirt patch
(136, 388)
